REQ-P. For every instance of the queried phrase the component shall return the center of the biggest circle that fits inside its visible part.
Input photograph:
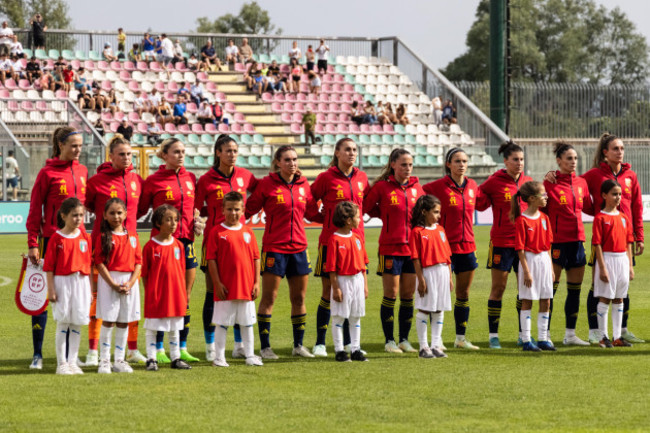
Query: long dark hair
(106, 230)
(159, 213)
(342, 212)
(526, 191)
(603, 144)
(218, 144)
(560, 147)
(68, 205)
(275, 168)
(335, 160)
(388, 170)
(59, 136)
(606, 187)
(508, 148)
(424, 204)
(450, 154)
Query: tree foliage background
(562, 41)
(18, 13)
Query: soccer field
(574, 389)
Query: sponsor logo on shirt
(169, 194)
(393, 198)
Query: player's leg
(220, 334)
(337, 338)
(406, 292)
(437, 322)
(61, 349)
(105, 337)
(297, 293)
(270, 285)
(461, 306)
(390, 283)
(495, 302)
(134, 354)
(39, 321)
(574, 277)
(152, 349)
(190, 276)
(323, 311)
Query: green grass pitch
(575, 389)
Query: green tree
(55, 16)
(565, 41)
(252, 20)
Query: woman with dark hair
(341, 182)
(497, 192)
(223, 177)
(62, 177)
(172, 184)
(458, 194)
(393, 195)
(284, 195)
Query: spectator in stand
(204, 115)
(165, 112)
(153, 134)
(249, 76)
(260, 85)
(217, 111)
(209, 55)
(108, 54)
(125, 129)
(99, 126)
(400, 113)
(180, 118)
(369, 114)
(322, 51)
(197, 92)
(38, 31)
(17, 48)
(310, 56)
(60, 62)
(12, 174)
(33, 69)
(178, 53)
(154, 101)
(183, 90)
(148, 46)
(59, 81)
(45, 82)
(232, 52)
(356, 115)
(85, 99)
(437, 110)
(166, 52)
(245, 51)
(6, 38)
(195, 65)
(390, 115)
(110, 103)
(314, 82)
(141, 104)
(80, 79)
(68, 77)
(6, 68)
(296, 74)
(309, 123)
(158, 48)
(448, 114)
(19, 71)
(121, 41)
(294, 52)
(275, 79)
(382, 118)
(134, 53)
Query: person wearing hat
(108, 53)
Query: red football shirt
(430, 245)
(163, 267)
(67, 254)
(612, 231)
(235, 250)
(346, 254)
(125, 253)
(533, 233)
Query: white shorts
(354, 299)
(541, 269)
(116, 307)
(618, 268)
(228, 313)
(72, 299)
(165, 324)
(438, 296)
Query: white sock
(121, 335)
(248, 340)
(569, 333)
(337, 332)
(74, 340)
(150, 338)
(623, 330)
(437, 320)
(617, 320)
(355, 333)
(421, 322)
(60, 342)
(542, 326)
(494, 335)
(524, 320)
(220, 333)
(105, 334)
(602, 311)
(174, 348)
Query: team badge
(358, 244)
(628, 182)
(497, 259)
(471, 193)
(452, 200)
(177, 253)
(134, 241)
(388, 264)
(280, 198)
(83, 246)
(190, 185)
(360, 185)
(413, 192)
(301, 190)
(169, 194)
(393, 198)
(240, 182)
(83, 181)
(556, 254)
(623, 221)
(442, 236)
(270, 261)
(247, 238)
(544, 224)
(134, 185)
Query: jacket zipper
(74, 181)
(462, 194)
(126, 193)
(178, 179)
(573, 193)
(406, 208)
(291, 193)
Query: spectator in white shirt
(6, 38)
(167, 52)
(17, 48)
(6, 68)
(142, 104)
(108, 53)
(322, 51)
(232, 52)
(294, 52)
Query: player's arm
(219, 289)
(528, 278)
(600, 259)
(365, 284)
(451, 280)
(134, 276)
(103, 272)
(630, 248)
(51, 292)
(422, 285)
(256, 281)
(337, 294)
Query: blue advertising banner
(13, 216)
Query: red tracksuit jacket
(55, 182)
(457, 211)
(284, 205)
(177, 189)
(631, 203)
(567, 199)
(395, 204)
(497, 191)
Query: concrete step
(241, 98)
(267, 119)
(234, 88)
(225, 77)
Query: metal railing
(552, 110)
(9, 142)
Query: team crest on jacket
(240, 182)
(83, 246)
(360, 185)
(189, 184)
(133, 240)
(507, 196)
(628, 182)
(169, 194)
(177, 253)
(413, 192)
(247, 238)
(301, 190)
(471, 193)
(358, 244)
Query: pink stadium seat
(192, 108)
(142, 66)
(338, 78)
(170, 96)
(354, 129)
(342, 128)
(302, 97)
(142, 128)
(345, 108)
(75, 64)
(288, 107)
(276, 107)
(279, 97)
(26, 106)
(197, 128)
(237, 128)
(90, 65)
(330, 129)
(229, 107)
(10, 84)
(210, 128)
(326, 88)
(365, 129)
(220, 96)
(42, 106)
(323, 107)
(118, 116)
(240, 118)
(249, 129)
(347, 98)
(267, 97)
(172, 86)
(337, 88)
(296, 128)
(24, 84)
(116, 66)
(377, 129)
(327, 78)
(154, 66)
(297, 117)
(49, 64)
(160, 86)
(332, 118)
(125, 76)
(240, 67)
(335, 108)
(210, 86)
(286, 118)
(344, 118)
(388, 129)
(348, 88)
(320, 129)
(4, 94)
(330, 69)
(106, 85)
(113, 126)
(321, 118)
(336, 97)
(107, 116)
(304, 87)
(180, 66)
(170, 128)
(291, 97)
(285, 69)
(312, 97)
(61, 94)
(304, 78)
(184, 129)
(129, 66)
(223, 128)
(134, 86)
(299, 107)
(133, 117)
(203, 77)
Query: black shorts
(569, 255)
(295, 77)
(395, 265)
(283, 264)
(463, 262)
(310, 66)
(502, 258)
(42, 247)
(191, 261)
(320, 262)
(322, 64)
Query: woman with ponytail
(497, 192)
(393, 195)
(62, 177)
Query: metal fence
(570, 110)
(9, 143)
